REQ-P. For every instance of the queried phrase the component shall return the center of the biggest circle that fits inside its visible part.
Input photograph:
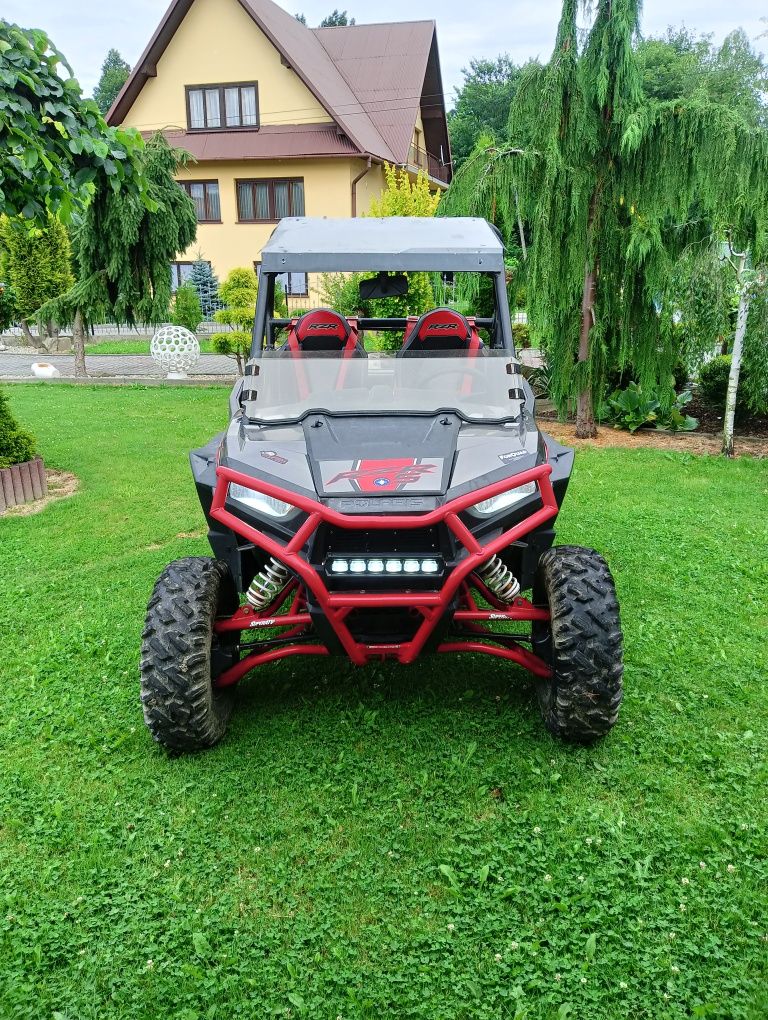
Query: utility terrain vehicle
(382, 505)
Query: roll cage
(391, 245)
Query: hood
(383, 458)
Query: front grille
(385, 625)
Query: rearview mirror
(384, 286)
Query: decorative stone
(60, 343)
(43, 370)
(175, 350)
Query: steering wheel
(460, 368)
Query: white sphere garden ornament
(176, 350)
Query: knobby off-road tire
(180, 654)
(582, 643)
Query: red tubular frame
(431, 605)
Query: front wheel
(582, 642)
(181, 655)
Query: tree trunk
(733, 377)
(78, 345)
(585, 415)
(520, 230)
(31, 340)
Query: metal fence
(117, 332)
(296, 303)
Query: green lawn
(391, 842)
(134, 347)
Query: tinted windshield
(480, 387)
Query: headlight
(504, 500)
(259, 502)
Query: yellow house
(284, 120)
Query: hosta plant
(632, 408)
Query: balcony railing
(423, 160)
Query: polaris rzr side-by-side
(382, 505)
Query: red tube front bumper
(430, 605)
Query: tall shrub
(238, 294)
(16, 445)
(401, 197)
(186, 308)
(37, 265)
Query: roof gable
(369, 78)
(311, 62)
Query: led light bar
(376, 566)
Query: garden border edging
(22, 483)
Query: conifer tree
(114, 74)
(615, 186)
(205, 282)
(123, 250)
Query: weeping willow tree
(615, 188)
(124, 244)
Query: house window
(180, 273)
(267, 201)
(205, 195)
(222, 107)
(294, 284)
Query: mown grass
(134, 347)
(386, 842)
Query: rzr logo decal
(274, 456)
(372, 475)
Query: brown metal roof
(385, 66)
(371, 79)
(309, 59)
(286, 141)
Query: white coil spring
(499, 579)
(267, 584)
